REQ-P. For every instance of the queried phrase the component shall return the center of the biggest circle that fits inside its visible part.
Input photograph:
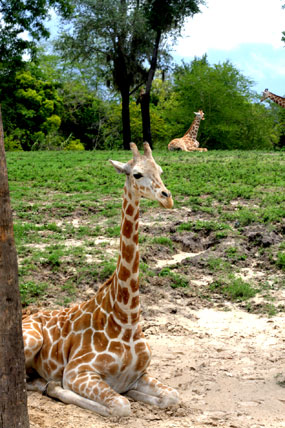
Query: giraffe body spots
(104, 363)
(128, 252)
(99, 319)
(100, 341)
(116, 347)
(134, 284)
(113, 329)
(125, 295)
(124, 273)
(136, 263)
(130, 210)
(121, 315)
(127, 229)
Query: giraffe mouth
(167, 203)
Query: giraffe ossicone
(276, 98)
(189, 143)
(92, 353)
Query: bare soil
(227, 361)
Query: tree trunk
(126, 117)
(145, 101)
(13, 396)
(145, 96)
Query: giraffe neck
(124, 292)
(277, 99)
(193, 130)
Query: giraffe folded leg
(151, 391)
(69, 397)
(38, 384)
(88, 390)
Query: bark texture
(13, 396)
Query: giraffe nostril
(165, 194)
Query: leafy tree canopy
(22, 18)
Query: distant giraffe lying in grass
(276, 98)
(188, 142)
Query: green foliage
(208, 226)
(163, 240)
(176, 279)
(232, 120)
(74, 145)
(280, 262)
(22, 16)
(12, 142)
(31, 291)
(234, 288)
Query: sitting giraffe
(188, 142)
(276, 98)
(91, 353)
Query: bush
(74, 145)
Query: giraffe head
(199, 114)
(143, 176)
(265, 95)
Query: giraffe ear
(121, 168)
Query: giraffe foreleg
(151, 391)
(88, 390)
(54, 390)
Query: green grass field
(64, 201)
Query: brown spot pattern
(100, 341)
(142, 362)
(134, 285)
(125, 295)
(136, 263)
(130, 210)
(99, 319)
(82, 322)
(120, 314)
(103, 362)
(116, 348)
(127, 335)
(127, 229)
(113, 328)
(135, 302)
(128, 252)
(124, 273)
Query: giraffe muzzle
(166, 199)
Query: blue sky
(245, 32)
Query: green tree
(33, 108)
(83, 111)
(232, 119)
(22, 25)
(164, 18)
(114, 34)
(21, 16)
(124, 37)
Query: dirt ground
(228, 364)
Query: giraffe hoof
(169, 400)
(122, 408)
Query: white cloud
(226, 24)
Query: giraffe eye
(138, 175)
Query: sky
(246, 32)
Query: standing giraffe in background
(188, 142)
(91, 353)
(276, 98)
